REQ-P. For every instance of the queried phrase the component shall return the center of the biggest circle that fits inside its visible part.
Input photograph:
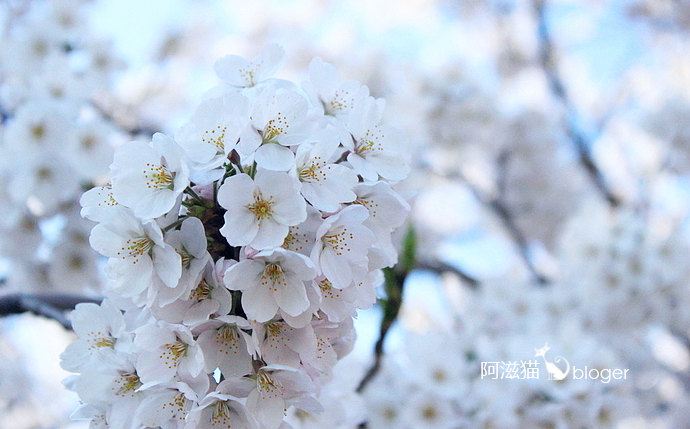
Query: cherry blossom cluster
(53, 141)
(239, 250)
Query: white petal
(292, 298)
(270, 234)
(259, 304)
(168, 265)
(274, 157)
(243, 275)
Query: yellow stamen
(262, 209)
(216, 137)
(273, 329)
(201, 292)
(158, 177)
(136, 247)
(275, 127)
(338, 241)
(129, 382)
(221, 414)
(227, 334)
(273, 277)
(104, 342)
(172, 353)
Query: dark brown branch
(53, 306)
(394, 285)
(442, 267)
(577, 136)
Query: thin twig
(577, 136)
(501, 211)
(395, 282)
(53, 306)
(133, 131)
(442, 267)
(521, 242)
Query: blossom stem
(194, 195)
(175, 224)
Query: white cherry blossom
(149, 178)
(325, 184)
(207, 298)
(260, 210)
(277, 388)
(301, 237)
(164, 349)
(190, 243)
(375, 150)
(226, 346)
(342, 243)
(219, 410)
(214, 130)
(270, 280)
(139, 256)
(280, 120)
(99, 328)
(333, 96)
(239, 72)
(238, 255)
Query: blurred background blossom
(550, 143)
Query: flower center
(273, 329)
(136, 247)
(313, 172)
(44, 174)
(365, 147)
(88, 142)
(429, 412)
(227, 334)
(289, 240)
(104, 342)
(273, 276)
(158, 177)
(201, 292)
(38, 131)
(266, 383)
(338, 103)
(274, 127)
(328, 290)
(338, 241)
(129, 382)
(369, 143)
(172, 353)
(262, 209)
(248, 75)
(185, 257)
(216, 137)
(221, 414)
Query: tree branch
(500, 210)
(133, 131)
(521, 242)
(395, 282)
(577, 136)
(53, 306)
(442, 267)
